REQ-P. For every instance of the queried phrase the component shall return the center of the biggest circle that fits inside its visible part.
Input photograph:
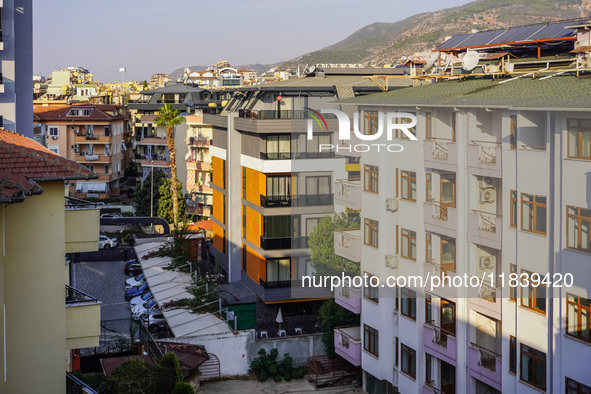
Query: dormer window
(80, 112)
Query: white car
(134, 282)
(138, 300)
(140, 309)
(106, 242)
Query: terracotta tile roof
(190, 356)
(24, 161)
(101, 112)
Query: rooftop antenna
(470, 61)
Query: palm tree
(170, 117)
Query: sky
(150, 36)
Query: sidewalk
(300, 386)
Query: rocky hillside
(382, 43)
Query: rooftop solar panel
(482, 38)
(455, 41)
(516, 34)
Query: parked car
(154, 320)
(135, 281)
(132, 268)
(106, 242)
(138, 310)
(137, 300)
(136, 291)
(110, 215)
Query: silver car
(154, 321)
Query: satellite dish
(444, 68)
(431, 61)
(312, 69)
(470, 61)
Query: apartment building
(44, 318)
(497, 184)
(16, 56)
(271, 186)
(198, 140)
(94, 136)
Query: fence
(112, 254)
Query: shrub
(183, 388)
(267, 366)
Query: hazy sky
(149, 36)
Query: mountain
(382, 43)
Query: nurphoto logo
(402, 121)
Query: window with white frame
(54, 148)
(53, 131)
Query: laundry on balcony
(91, 157)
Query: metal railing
(277, 114)
(487, 292)
(487, 221)
(284, 243)
(345, 237)
(441, 269)
(296, 201)
(439, 211)
(76, 386)
(440, 150)
(275, 284)
(440, 335)
(75, 296)
(431, 386)
(344, 186)
(486, 358)
(487, 151)
(296, 155)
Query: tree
(143, 193)
(165, 201)
(332, 315)
(321, 242)
(134, 376)
(145, 87)
(170, 117)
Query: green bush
(183, 388)
(267, 366)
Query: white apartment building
(498, 182)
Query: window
(311, 224)
(428, 308)
(371, 232)
(371, 340)
(409, 185)
(578, 313)
(89, 149)
(512, 354)
(317, 185)
(244, 183)
(513, 132)
(454, 123)
(533, 213)
(412, 130)
(428, 368)
(448, 254)
(107, 169)
(533, 367)
(90, 130)
(408, 303)
(574, 387)
(278, 270)
(54, 148)
(409, 244)
(279, 147)
(370, 292)
(243, 221)
(396, 351)
(429, 186)
(370, 182)
(107, 150)
(108, 131)
(533, 292)
(579, 138)
(408, 358)
(370, 122)
(53, 131)
(428, 247)
(578, 226)
(513, 209)
(428, 125)
(513, 289)
(279, 185)
(279, 226)
(448, 190)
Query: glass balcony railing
(301, 200)
(297, 155)
(284, 243)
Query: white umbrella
(279, 318)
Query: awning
(90, 187)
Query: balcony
(347, 344)
(347, 244)
(440, 342)
(83, 319)
(302, 200)
(284, 243)
(486, 299)
(485, 229)
(440, 219)
(446, 272)
(82, 230)
(349, 298)
(484, 159)
(198, 165)
(91, 139)
(485, 365)
(76, 386)
(152, 140)
(202, 189)
(199, 142)
(296, 155)
(348, 193)
(269, 121)
(441, 154)
(92, 158)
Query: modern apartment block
(198, 159)
(43, 318)
(16, 55)
(271, 186)
(92, 135)
(496, 185)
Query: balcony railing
(440, 335)
(486, 358)
(439, 211)
(275, 284)
(195, 141)
(447, 269)
(432, 386)
(274, 114)
(487, 292)
(284, 243)
(440, 150)
(487, 151)
(487, 221)
(296, 155)
(296, 201)
(75, 296)
(76, 386)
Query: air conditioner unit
(54, 137)
(486, 183)
(392, 204)
(488, 196)
(391, 261)
(487, 262)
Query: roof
(498, 55)
(559, 92)
(329, 83)
(539, 32)
(177, 88)
(112, 363)
(190, 356)
(100, 113)
(205, 225)
(24, 161)
(582, 49)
